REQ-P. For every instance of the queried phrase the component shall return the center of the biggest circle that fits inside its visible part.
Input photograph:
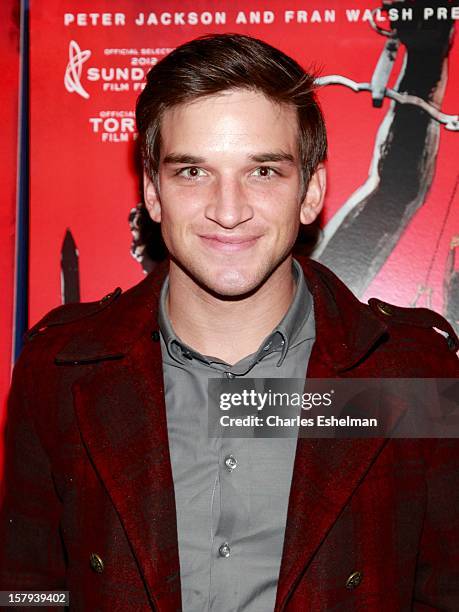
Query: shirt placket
(230, 516)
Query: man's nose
(229, 204)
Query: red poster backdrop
(88, 61)
(9, 69)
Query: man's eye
(192, 172)
(265, 172)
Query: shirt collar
(175, 347)
(291, 330)
(292, 326)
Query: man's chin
(232, 284)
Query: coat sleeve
(31, 550)
(437, 575)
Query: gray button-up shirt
(231, 493)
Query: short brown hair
(214, 63)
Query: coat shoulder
(69, 313)
(422, 332)
(417, 317)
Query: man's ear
(151, 196)
(314, 199)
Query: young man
(114, 490)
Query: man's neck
(228, 329)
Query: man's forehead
(234, 118)
(227, 97)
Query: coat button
(109, 296)
(155, 335)
(96, 563)
(386, 309)
(354, 580)
(105, 298)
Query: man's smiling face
(229, 188)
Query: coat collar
(346, 329)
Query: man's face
(229, 187)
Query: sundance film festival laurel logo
(72, 78)
(111, 78)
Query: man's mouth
(229, 243)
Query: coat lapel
(325, 474)
(121, 414)
(327, 471)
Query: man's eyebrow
(273, 157)
(186, 158)
(183, 158)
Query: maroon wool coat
(88, 468)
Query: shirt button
(230, 462)
(224, 550)
(229, 375)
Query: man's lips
(228, 243)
